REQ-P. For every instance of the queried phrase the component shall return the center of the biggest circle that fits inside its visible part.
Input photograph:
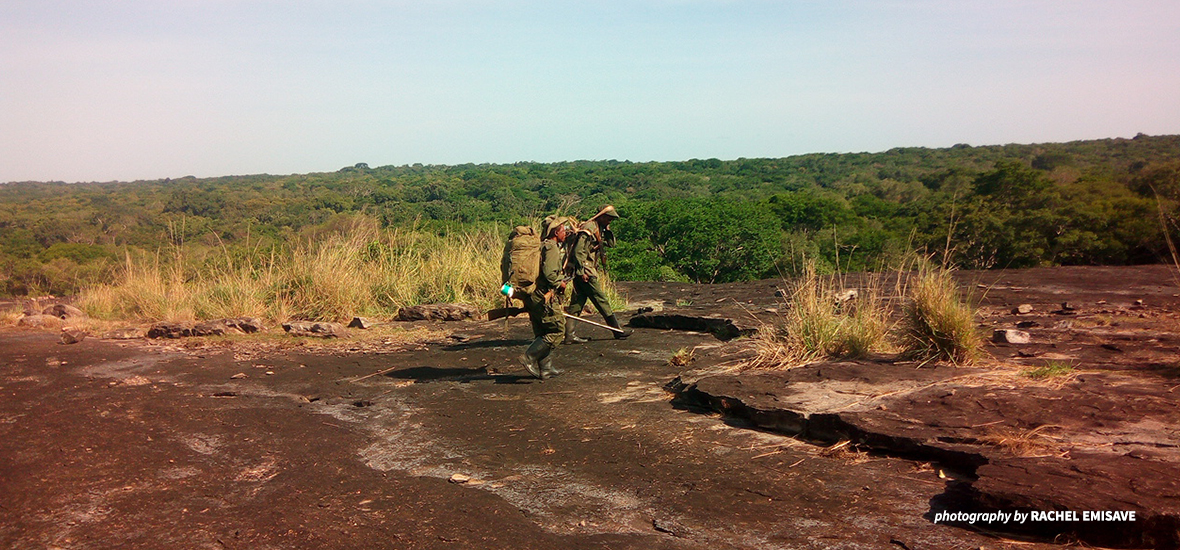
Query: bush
(706, 240)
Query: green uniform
(546, 318)
(584, 261)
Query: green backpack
(521, 263)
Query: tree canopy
(1087, 202)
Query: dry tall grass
(938, 324)
(935, 322)
(358, 270)
(821, 324)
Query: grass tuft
(820, 324)
(937, 323)
(682, 357)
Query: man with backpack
(583, 261)
(543, 301)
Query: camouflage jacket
(552, 261)
(586, 254)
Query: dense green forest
(1088, 202)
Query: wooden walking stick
(589, 322)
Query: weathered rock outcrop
(1106, 442)
(315, 329)
(246, 325)
(215, 327)
(73, 336)
(362, 323)
(183, 329)
(39, 321)
(1084, 482)
(64, 311)
(437, 312)
(1010, 336)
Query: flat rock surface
(446, 443)
(1101, 435)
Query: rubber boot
(547, 370)
(532, 357)
(570, 337)
(530, 365)
(614, 323)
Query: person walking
(544, 302)
(583, 263)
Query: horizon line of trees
(1110, 201)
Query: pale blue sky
(138, 89)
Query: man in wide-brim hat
(583, 263)
(544, 302)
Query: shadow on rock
(423, 375)
(486, 344)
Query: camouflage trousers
(589, 290)
(545, 317)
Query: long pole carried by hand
(587, 321)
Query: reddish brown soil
(153, 445)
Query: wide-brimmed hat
(551, 224)
(607, 211)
